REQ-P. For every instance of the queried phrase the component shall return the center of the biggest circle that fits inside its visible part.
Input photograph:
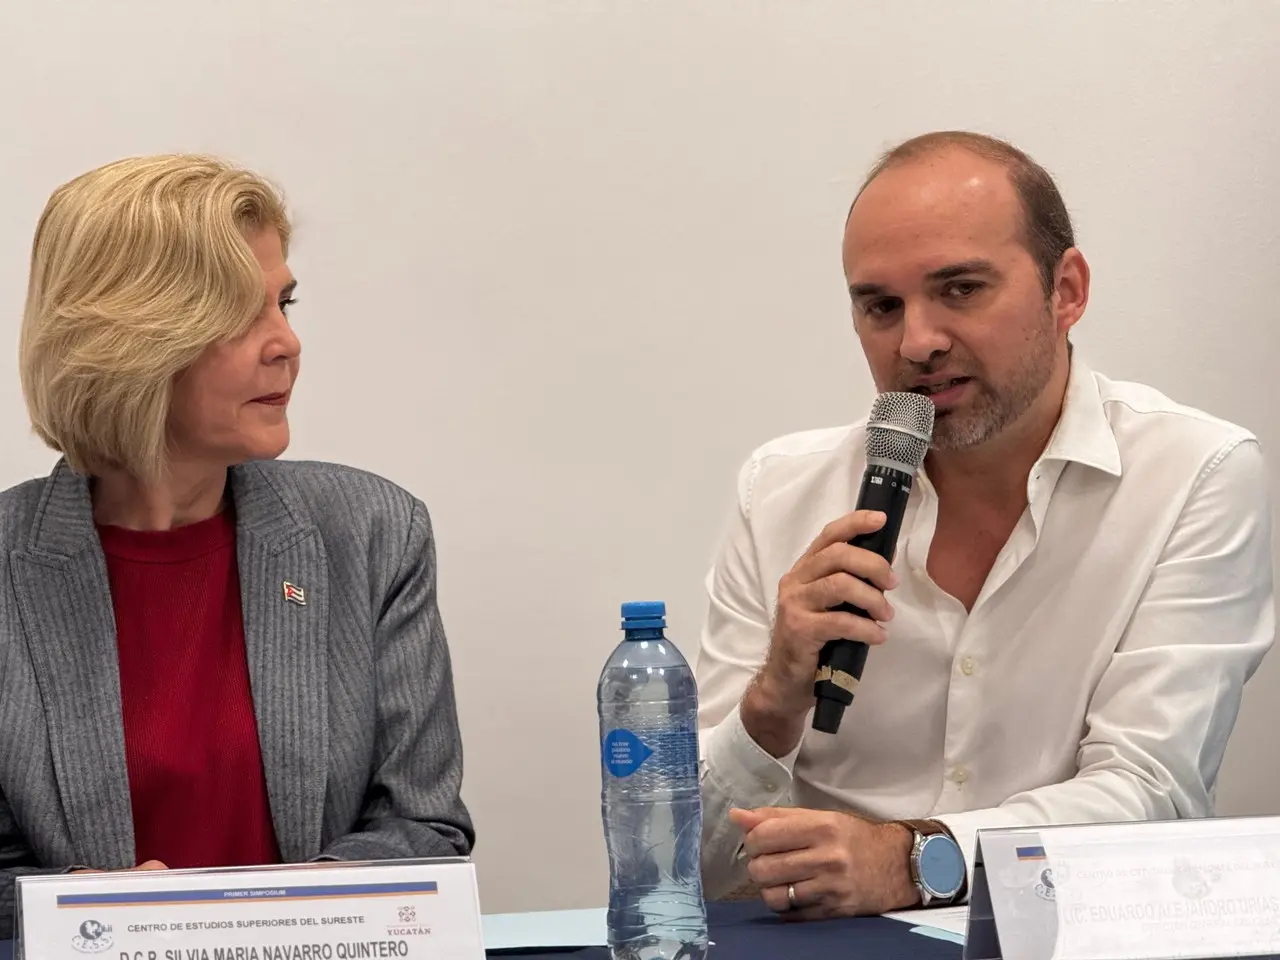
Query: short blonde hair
(136, 269)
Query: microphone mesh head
(900, 428)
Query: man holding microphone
(1081, 588)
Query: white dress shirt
(1096, 678)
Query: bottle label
(624, 752)
(677, 752)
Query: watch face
(941, 866)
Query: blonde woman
(208, 657)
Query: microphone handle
(841, 661)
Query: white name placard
(384, 910)
(1195, 889)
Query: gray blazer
(353, 691)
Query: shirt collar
(1083, 434)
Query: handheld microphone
(898, 435)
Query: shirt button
(959, 775)
(769, 785)
(968, 666)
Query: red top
(190, 735)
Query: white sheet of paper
(951, 919)
(544, 929)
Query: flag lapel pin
(295, 594)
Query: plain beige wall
(563, 264)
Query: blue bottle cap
(644, 615)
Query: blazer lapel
(64, 598)
(284, 597)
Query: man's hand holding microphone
(830, 572)
(831, 609)
(812, 864)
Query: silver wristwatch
(936, 864)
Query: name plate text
(387, 910)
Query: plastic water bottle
(651, 803)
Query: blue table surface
(748, 931)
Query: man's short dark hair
(1047, 225)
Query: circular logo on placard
(93, 937)
(1192, 882)
(1047, 887)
